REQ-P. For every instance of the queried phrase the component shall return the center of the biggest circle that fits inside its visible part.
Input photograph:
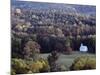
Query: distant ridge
(84, 9)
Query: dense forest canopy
(52, 25)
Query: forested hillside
(41, 28)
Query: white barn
(83, 48)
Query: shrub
(62, 68)
(35, 66)
(46, 67)
(40, 65)
(68, 50)
(19, 66)
(83, 63)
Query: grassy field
(67, 60)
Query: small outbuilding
(83, 48)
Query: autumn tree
(31, 49)
(52, 59)
(68, 48)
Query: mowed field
(67, 60)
